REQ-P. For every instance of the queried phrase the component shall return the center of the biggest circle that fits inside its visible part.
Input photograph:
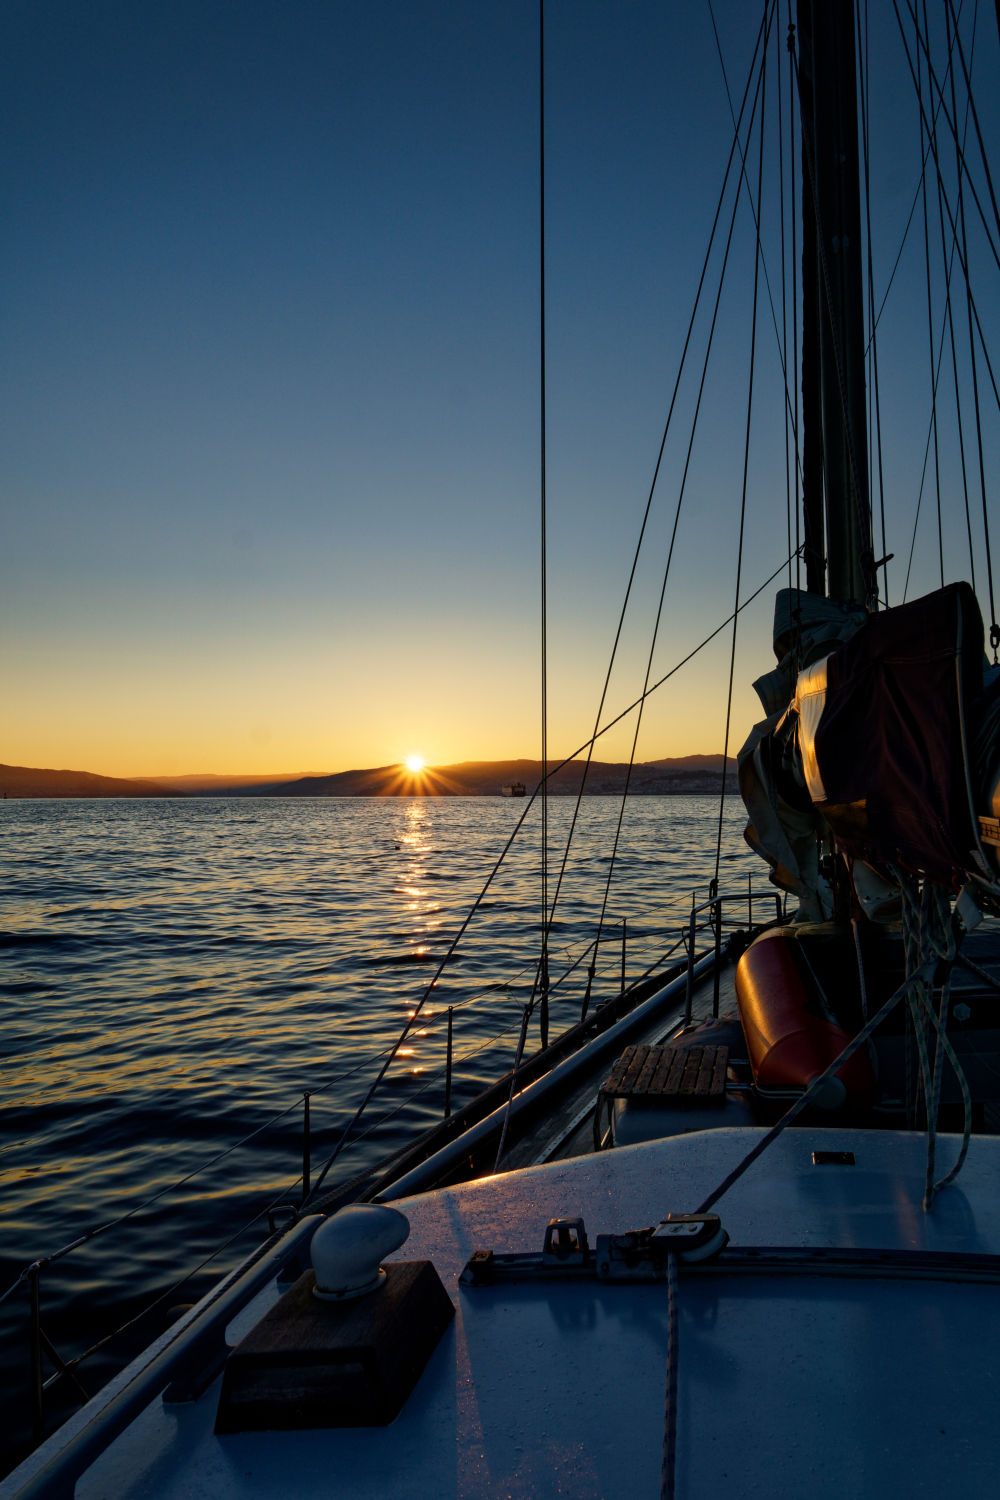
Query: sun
(415, 763)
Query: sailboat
(778, 1271)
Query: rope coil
(931, 943)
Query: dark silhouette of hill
(25, 781)
(471, 778)
(692, 774)
(211, 784)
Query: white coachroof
(789, 1385)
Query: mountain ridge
(668, 776)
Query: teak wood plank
(661, 1073)
(686, 1075)
(647, 1070)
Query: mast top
(835, 463)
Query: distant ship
(514, 789)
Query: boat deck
(570, 1129)
(547, 1389)
(556, 1387)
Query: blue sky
(271, 388)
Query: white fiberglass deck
(815, 1386)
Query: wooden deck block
(310, 1363)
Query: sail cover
(891, 741)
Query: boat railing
(627, 962)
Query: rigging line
(906, 228)
(975, 113)
(861, 52)
(899, 253)
(792, 1113)
(755, 213)
(784, 308)
(935, 378)
(515, 1073)
(746, 470)
(530, 801)
(695, 651)
(668, 1463)
(795, 299)
(762, 33)
(544, 565)
(428, 991)
(863, 526)
(953, 127)
(875, 406)
(965, 962)
(931, 933)
(963, 258)
(680, 501)
(930, 311)
(964, 261)
(19, 1282)
(994, 631)
(951, 319)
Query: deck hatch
(674, 1074)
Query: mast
(837, 509)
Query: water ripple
(178, 973)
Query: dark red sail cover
(891, 743)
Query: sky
(270, 379)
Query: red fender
(789, 1040)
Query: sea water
(179, 973)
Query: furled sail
(874, 745)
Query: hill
(211, 784)
(25, 781)
(691, 774)
(471, 778)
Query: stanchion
(306, 1147)
(37, 1391)
(447, 1069)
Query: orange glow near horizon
(403, 780)
(415, 763)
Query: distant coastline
(690, 774)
